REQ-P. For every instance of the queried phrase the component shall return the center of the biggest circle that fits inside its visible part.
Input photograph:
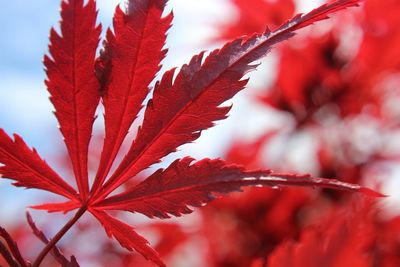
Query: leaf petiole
(58, 236)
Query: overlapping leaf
(129, 63)
(181, 109)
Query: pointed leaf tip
(63, 207)
(372, 193)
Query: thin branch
(57, 254)
(13, 247)
(58, 236)
(7, 256)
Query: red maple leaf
(179, 110)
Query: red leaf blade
(184, 184)
(64, 207)
(126, 236)
(25, 166)
(72, 83)
(134, 54)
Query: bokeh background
(326, 103)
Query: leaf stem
(58, 236)
(7, 256)
(13, 247)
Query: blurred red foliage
(253, 15)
